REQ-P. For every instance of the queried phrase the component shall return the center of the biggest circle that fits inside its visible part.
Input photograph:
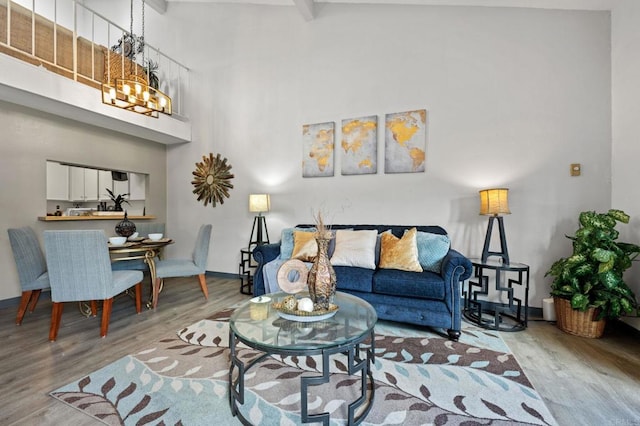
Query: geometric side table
(510, 279)
(245, 271)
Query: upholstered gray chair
(32, 268)
(143, 229)
(197, 265)
(80, 270)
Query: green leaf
(619, 215)
(610, 279)
(580, 302)
(602, 255)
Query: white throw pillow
(355, 248)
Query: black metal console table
(509, 316)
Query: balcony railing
(72, 40)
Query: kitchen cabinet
(104, 181)
(83, 184)
(57, 181)
(137, 186)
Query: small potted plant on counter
(117, 200)
(588, 287)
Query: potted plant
(117, 200)
(588, 287)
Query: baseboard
(631, 322)
(15, 301)
(533, 314)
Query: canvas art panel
(317, 149)
(405, 142)
(359, 145)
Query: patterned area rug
(421, 378)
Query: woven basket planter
(572, 321)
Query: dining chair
(80, 270)
(196, 265)
(32, 267)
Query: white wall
(626, 126)
(28, 139)
(513, 97)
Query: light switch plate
(575, 169)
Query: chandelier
(132, 91)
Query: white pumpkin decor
(305, 304)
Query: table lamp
(259, 203)
(495, 203)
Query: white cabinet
(137, 186)
(83, 184)
(57, 181)
(104, 181)
(90, 185)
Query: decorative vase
(322, 277)
(125, 228)
(578, 323)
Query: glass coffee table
(261, 327)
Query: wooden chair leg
(24, 301)
(203, 286)
(56, 316)
(34, 300)
(139, 297)
(106, 316)
(94, 307)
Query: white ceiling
(542, 4)
(307, 7)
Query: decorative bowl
(117, 241)
(155, 237)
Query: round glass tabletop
(260, 325)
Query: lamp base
(503, 253)
(260, 231)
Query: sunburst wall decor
(212, 179)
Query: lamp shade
(494, 202)
(259, 203)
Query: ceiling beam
(305, 7)
(159, 6)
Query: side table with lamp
(509, 316)
(258, 203)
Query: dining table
(146, 250)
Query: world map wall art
(359, 146)
(405, 142)
(405, 138)
(318, 141)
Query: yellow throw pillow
(305, 247)
(399, 253)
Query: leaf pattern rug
(420, 378)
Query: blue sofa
(421, 298)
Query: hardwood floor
(583, 381)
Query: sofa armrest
(456, 266)
(455, 269)
(263, 254)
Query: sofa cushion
(352, 278)
(355, 248)
(305, 247)
(399, 253)
(286, 241)
(432, 248)
(423, 285)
